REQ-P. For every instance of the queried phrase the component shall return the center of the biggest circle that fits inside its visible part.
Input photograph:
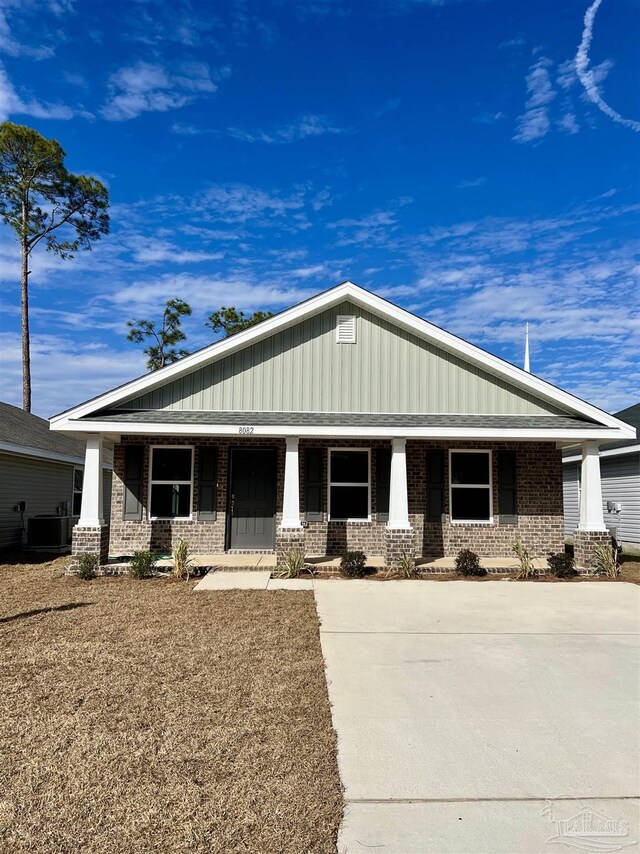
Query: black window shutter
(383, 479)
(207, 484)
(507, 488)
(313, 485)
(133, 464)
(435, 486)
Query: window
(76, 502)
(470, 486)
(171, 483)
(349, 492)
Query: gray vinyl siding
(303, 369)
(620, 483)
(571, 497)
(43, 485)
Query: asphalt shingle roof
(18, 427)
(632, 416)
(343, 419)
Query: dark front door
(252, 506)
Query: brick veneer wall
(540, 520)
(584, 543)
(203, 537)
(540, 512)
(93, 541)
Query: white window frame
(74, 491)
(152, 482)
(331, 483)
(488, 486)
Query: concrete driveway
(462, 707)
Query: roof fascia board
(346, 290)
(528, 433)
(40, 453)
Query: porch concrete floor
(226, 561)
(486, 562)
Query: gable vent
(346, 329)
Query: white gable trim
(346, 291)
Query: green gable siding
(303, 369)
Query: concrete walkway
(462, 707)
(251, 580)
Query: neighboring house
(41, 473)
(344, 422)
(620, 473)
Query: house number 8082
(246, 431)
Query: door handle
(233, 503)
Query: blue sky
(448, 155)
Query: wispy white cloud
(307, 126)
(13, 104)
(150, 87)
(535, 122)
(586, 74)
(471, 182)
(238, 203)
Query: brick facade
(584, 542)
(93, 541)
(539, 525)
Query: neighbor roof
(631, 415)
(25, 430)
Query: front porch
(245, 502)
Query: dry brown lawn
(138, 716)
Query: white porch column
(291, 502)
(398, 498)
(591, 515)
(91, 510)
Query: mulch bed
(137, 716)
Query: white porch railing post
(398, 497)
(291, 500)
(91, 511)
(591, 512)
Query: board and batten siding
(43, 485)
(304, 369)
(620, 477)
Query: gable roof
(22, 431)
(570, 404)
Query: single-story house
(620, 474)
(344, 422)
(41, 474)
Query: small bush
(605, 561)
(182, 560)
(292, 565)
(527, 569)
(352, 564)
(141, 565)
(87, 566)
(562, 565)
(405, 567)
(468, 563)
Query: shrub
(141, 565)
(405, 567)
(562, 565)
(527, 569)
(292, 565)
(352, 564)
(605, 561)
(468, 563)
(181, 559)
(87, 566)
